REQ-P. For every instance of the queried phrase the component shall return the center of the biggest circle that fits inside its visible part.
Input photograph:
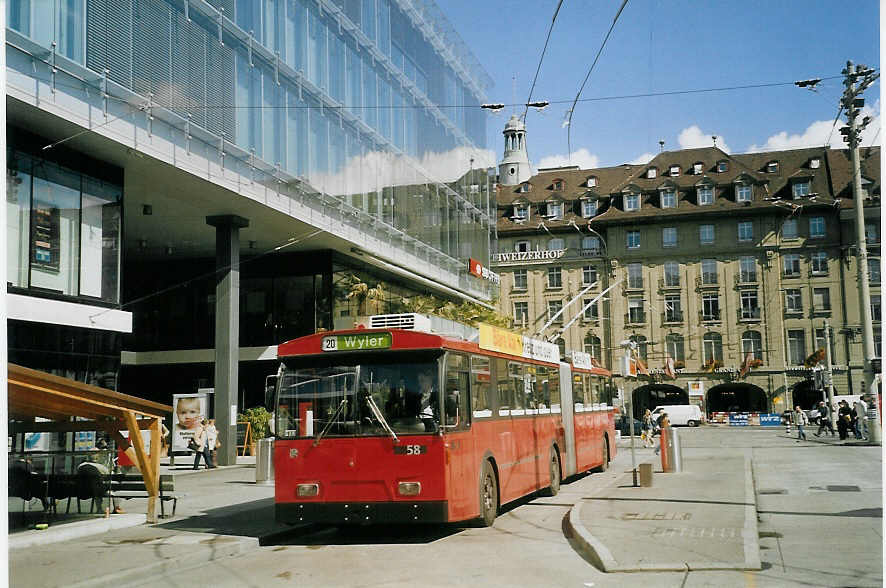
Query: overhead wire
(541, 58)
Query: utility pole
(828, 378)
(864, 76)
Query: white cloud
(693, 138)
(583, 158)
(818, 132)
(642, 159)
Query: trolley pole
(828, 379)
(851, 102)
(626, 369)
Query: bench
(127, 486)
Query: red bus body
(358, 477)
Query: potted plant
(258, 418)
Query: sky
(660, 46)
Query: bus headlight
(307, 490)
(409, 488)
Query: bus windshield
(377, 396)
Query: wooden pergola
(33, 393)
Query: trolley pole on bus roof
(628, 346)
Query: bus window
(455, 394)
(520, 387)
(596, 392)
(504, 386)
(481, 388)
(552, 398)
(578, 392)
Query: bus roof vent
(421, 322)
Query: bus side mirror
(270, 392)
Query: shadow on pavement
(247, 519)
(318, 536)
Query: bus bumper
(361, 513)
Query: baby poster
(188, 410)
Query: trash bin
(264, 461)
(671, 452)
(645, 475)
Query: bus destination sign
(357, 342)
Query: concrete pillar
(227, 330)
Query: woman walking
(648, 429)
(200, 448)
(211, 444)
(801, 420)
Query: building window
(555, 210)
(708, 271)
(635, 275)
(521, 212)
(752, 343)
(521, 246)
(673, 309)
(592, 311)
(521, 313)
(874, 270)
(524, 188)
(592, 182)
(671, 274)
(821, 342)
(635, 310)
(554, 277)
(63, 230)
(710, 307)
(816, 227)
(722, 166)
(875, 308)
(705, 195)
(793, 300)
(668, 199)
(558, 185)
(747, 266)
(750, 307)
(593, 346)
(821, 299)
(819, 263)
(555, 306)
(789, 229)
(697, 168)
(674, 171)
(633, 239)
(590, 246)
(712, 346)
(791, 265)
(743, 193)
(745, 231)
(796, 346)
(521, 281)
(674, 347)
(871, 233)
(588, 208)
(772, 167)
(556, 244)
(588, 275)
(706, 234)
(642, 346)
(814, 163)
(652, 172)
(632, 202)
(669, 237)
(800, 189)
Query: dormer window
(558, 185)
(697, 168)
(632, 202)
(588, 208)
(521, 246)
(800, 189)
(555, 210)
(743, 193)
(722, 166)
(652, 172)
(814, 163)
(705, 195)
(674, 171)
(521, 212)
(592, 182)
(524, 188)
(772, 167)
(669, 198)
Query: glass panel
(481, 387)
(100, 240)
(55, 228)
(455, 392)
(71, 28)
(18, 208)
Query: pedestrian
(823, 421)
(212, 443)
(663, 421)
(648, 429)
(801, 421)
(199, 446)
(861, 416)
(844, 416)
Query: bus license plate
(410, 449)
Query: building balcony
(635, 318)
(673, 317)
(820, 311)
(793, 312)
(746, 281)
(710, 317)
(662, 285)
(750, 314)
(707, 283)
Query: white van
(680, 414)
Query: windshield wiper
(338, 410)
(381, 418)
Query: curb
(76, 530)
(230, 546)
(592, 548)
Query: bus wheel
(605, 455)
(554, 471)
(488, 496)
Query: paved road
(819, 505)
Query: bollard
(675, 451)
(646, 475)
(264, 462)
(664, 440)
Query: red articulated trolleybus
(419, 419)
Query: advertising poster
(187, 412)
